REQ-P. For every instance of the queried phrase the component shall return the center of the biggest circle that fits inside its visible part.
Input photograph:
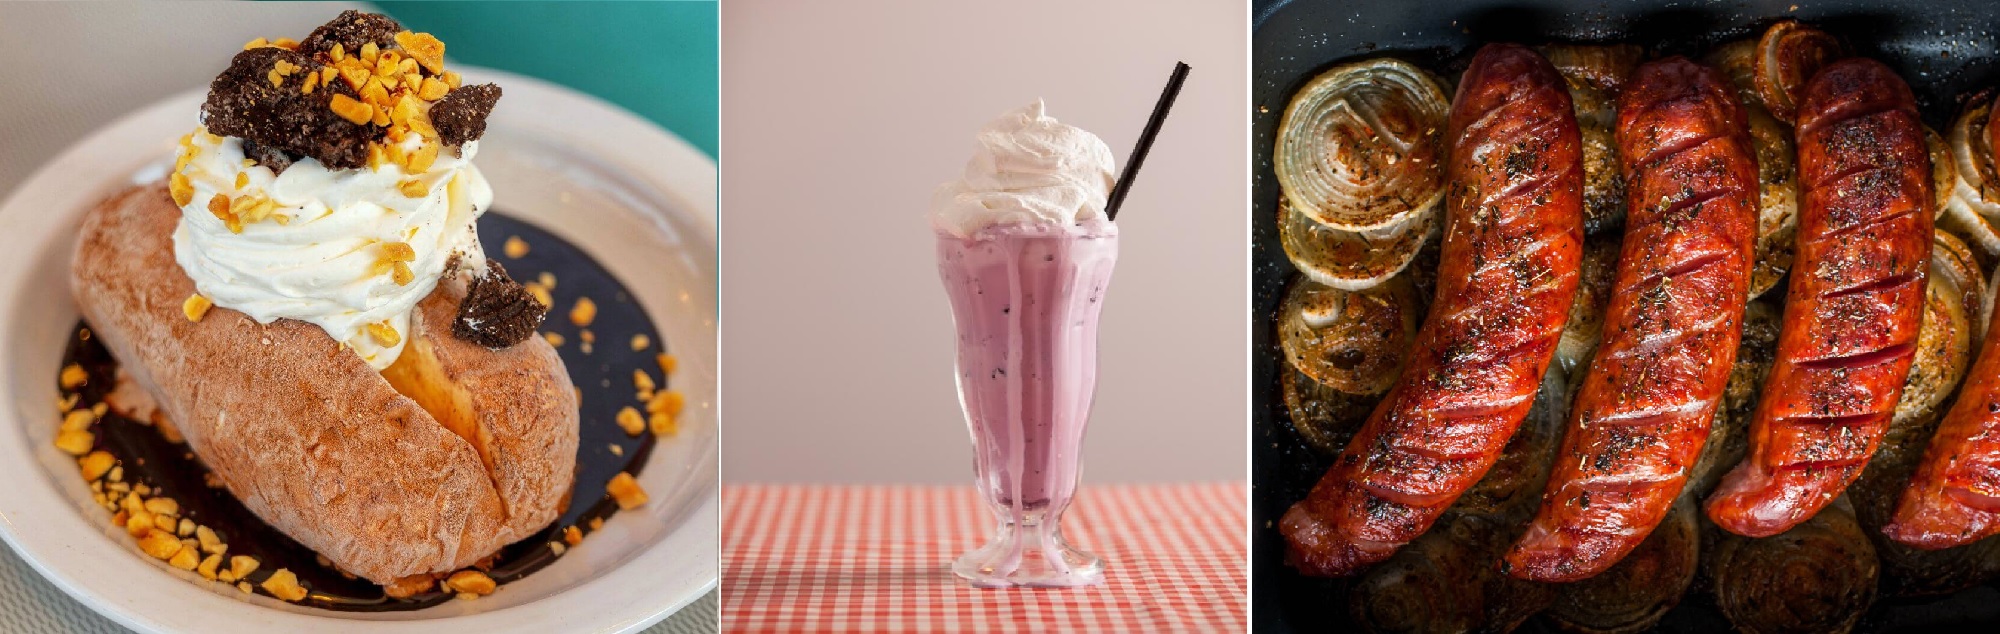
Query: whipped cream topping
(1029, 169)
(327, 246)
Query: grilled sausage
(1671, 329)
(1954, 497)
(1507, 275)
(1854, 304)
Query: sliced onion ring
(1361, 147)
(1788, 55)
(1352, 341)
(1777, 199)
(1973, 203)
(1350, 260)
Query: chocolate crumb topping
(268, 156)
(351, 30)
(497, 311)
(461, 115)
(242, 102)
(350, 96)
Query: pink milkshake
(1025, 252)
(1026, 299)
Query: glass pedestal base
(1029, 555)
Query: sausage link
(1953, 499)
(1671, 328)
(1507, 274)
(1854, 305)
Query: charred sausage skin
(1671, 328)
(1953, 499)
(1507, 274)
(1854, 303)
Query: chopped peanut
(96, 464)
(186, 559)
(584, 312)
(241, 566)
(210, 542)
(413, 188)
(160, 544)
(572, 536)
(353, 111)
(644, 383)
(78, 420)
(641, 342)
(557, 547)
(515, 247)
(541, 293)
(662, 424)
(75, 443)
(626, 491)
(207, 566)
(424, 48)
(471, 581)
(284, 585)
(196, 307)
(73, 376)
(385, 334)
(596, 523)
(163, 506)
(398, 252)
(667, 401)
(667, 364)
(555, 340)
(401, 274)
(630, 420)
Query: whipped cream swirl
(1029, 169)
(326, 253)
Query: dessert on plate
(304, 299)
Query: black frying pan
(1943, 48)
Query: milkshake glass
(1025, 299)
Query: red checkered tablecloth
(819, 558)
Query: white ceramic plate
(640, 201)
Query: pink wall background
(837, 339)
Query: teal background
(654, 58)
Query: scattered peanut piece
(630, 421)
(547, 279)
(284, 585)
(210, 542)
(662, 424)
(96, 464)
(667, 364)
(470, 581)
(596, 523)
(626, 491)
(617, 450)
(668, 402)
(584, 312)
(78, 420)
(208, 565)
(73, 376)
(557, 547)
(75, 442)
(163, 506)
(515, 247)
(241, 566)
(196, 307)
(160, 544)
(641, 342)
(555, 340)
(186, 559)
(644, 383)
(244, 586)
(572, 536)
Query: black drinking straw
(1159, 117)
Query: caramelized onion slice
(1361, 147)
(1325, 417)
(1738, 61)
(1948, 336)
(1973, 203)
(1596, 272)
(1777, 199)
(1351, 341)
(1788, 55)
(1820, 576)
(1634, 594)
(1351, 260)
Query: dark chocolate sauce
(604, 377)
